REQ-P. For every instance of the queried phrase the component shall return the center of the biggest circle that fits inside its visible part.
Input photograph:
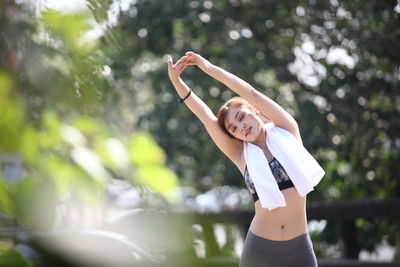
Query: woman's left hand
(175, 70)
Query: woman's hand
(175, 70)
(191, 58)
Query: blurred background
(101, 166)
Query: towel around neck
(302, 168)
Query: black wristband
(182, 100)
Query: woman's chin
(250, 138)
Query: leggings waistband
(273, 248)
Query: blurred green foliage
(14, 259)
(53, 117)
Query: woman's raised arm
(232, 148)
(264, 104)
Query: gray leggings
(262, 252)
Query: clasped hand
(190, 58)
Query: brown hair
(224, 109)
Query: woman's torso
(282, 223)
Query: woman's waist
(279, 224)
(280, 217)
(278, 230)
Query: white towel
(302, 168)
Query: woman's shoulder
(274, 130)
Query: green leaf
(144, 150)
(158, 178)
(29, 147)
(90, 126)
(6, 83)
(70, 28)
(50, 136)
(149, 158)
(35, 200)
(6, 204)
(113, 152)
(13, 258)
(12, 117)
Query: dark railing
(344, 214)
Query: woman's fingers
(182, 59)
(182, 65)
(169, 61)
(190, 53)
(178, 64)
(189, 56)
(173, 66)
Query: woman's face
(243, 123)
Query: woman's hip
(262, 252)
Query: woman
(269, 156)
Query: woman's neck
(261, 139)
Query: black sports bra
(279, 173)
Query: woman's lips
(248, 131)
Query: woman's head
(239, 119)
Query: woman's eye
(242, 118)
(234, 130)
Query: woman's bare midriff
(283, 223)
